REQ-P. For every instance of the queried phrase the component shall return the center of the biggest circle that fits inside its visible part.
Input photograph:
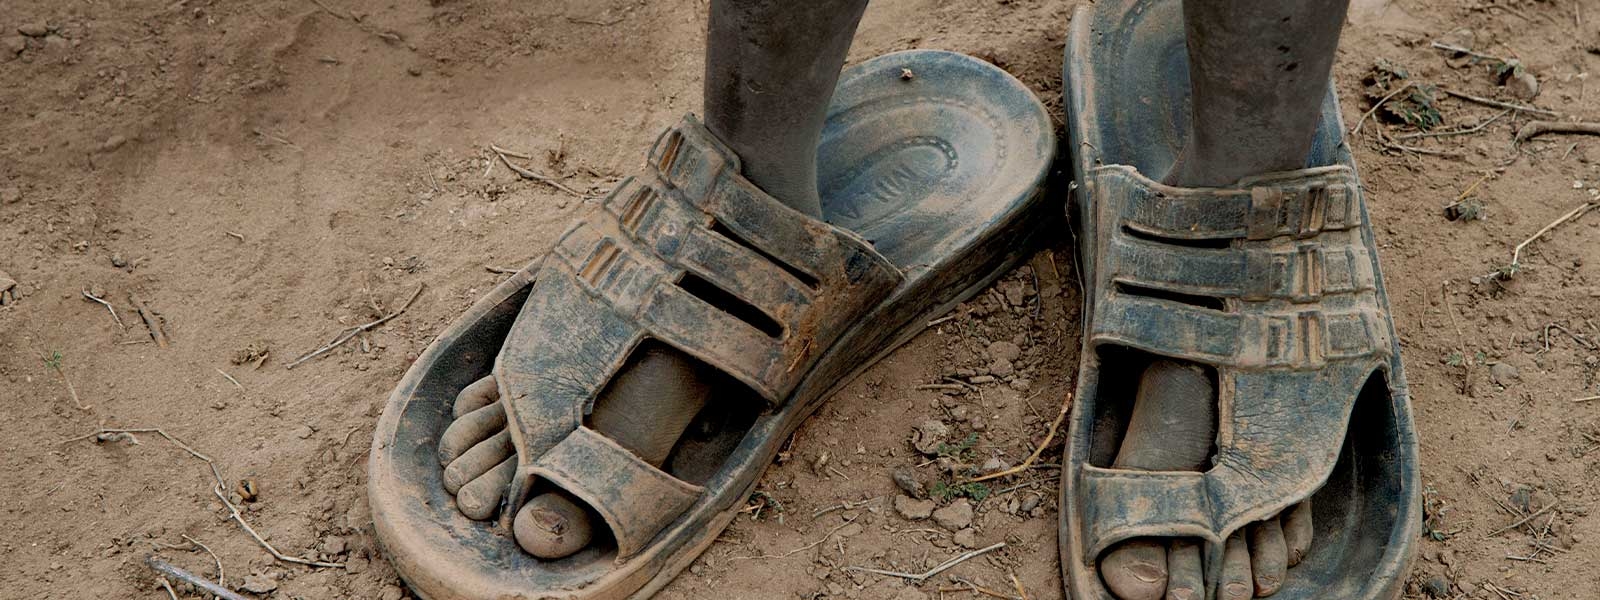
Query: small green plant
(959, 451)
(53, 360)
(945, 492)
(1455, 359)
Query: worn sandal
(930, 189)
(1273, 286)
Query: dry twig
(1376, 106)
(221, 575)
(151, 321)
(209, 587)
(102, 302)
(1066, 405)
(350, 333)
(1537, 128)
(239, 518)
(231, 379)
(1516, 254)
(1520, 522)
(944, 566)
(1498, 104)
(528, 174)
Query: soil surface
(263, 175)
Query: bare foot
(1173, 428)
(645, 409)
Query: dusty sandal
(930, 190)
(1258, 310)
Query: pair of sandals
(931, 188)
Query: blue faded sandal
(930, 189)
(1269, 292)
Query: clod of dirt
(248, 490)
(113, 143)
(1521, 83)
(118, 261)
(1006, 351)
(1001, 368)
(1436, 587)
(334, 545)
(10, 195)
(1504, 374)
(913, 509)
(13, 45)
(907, 482)
(304, 432)
(909, 593)
(254, 352)
(392, 592)
(257, 584)
(955, 517)
(34, 29)
(967, 538)
(7, 296)
(928, 436)
(1029, 503)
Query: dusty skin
(139, 138)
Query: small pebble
(967, 538)
(913, 509)
(955, 517)
(907, 482)
(34, 29)
(257, 584)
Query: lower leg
(771, 66)
(1258, 72)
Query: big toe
(469, 430)
(552, 526)
(1136, 570)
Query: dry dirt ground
(265, 174)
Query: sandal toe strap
(636, 499)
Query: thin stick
(165, 568)
(1452, 132)
(168, 585)
(500, 270)
(1538, 128)
(56, 364)
(1588, 399)
(230, 378)
(108, 306)
(151, 321)
(1018, 583)
(239, 518)
(1498, 104)
(1375, 106)
(221, 575)
(977, 589)
(1520, 522)
(1516, 255)
(350, 333)
(156, 430)
(325, 8)
(1460, 50)
(944, 566)
(795, 551)
(235, 235)
(1066, 405)
(525, 173)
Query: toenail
(1146, 572)
(1237, 590)
(1181, 594)
(549, 521)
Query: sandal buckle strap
(636, 500)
